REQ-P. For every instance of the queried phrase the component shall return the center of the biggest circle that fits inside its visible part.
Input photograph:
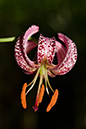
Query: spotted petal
(60, 51)
(32, 30)
(22, 47)
(70, 58)
(20, 58)
(46, 50)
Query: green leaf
(10, 39)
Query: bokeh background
(52, 16)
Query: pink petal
(30, 45)
(20, 58)
(46, 50)
(31, 30)
(22, 47)
(70, 59)
(60, 51)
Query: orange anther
(53, 100)
(23, 96)
(41, 94)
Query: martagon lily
(44, 64)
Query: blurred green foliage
(52, 16)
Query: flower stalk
(10, 39)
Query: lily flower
(44, 65)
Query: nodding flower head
(44, 66)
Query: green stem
(10, 39)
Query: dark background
(52, 16)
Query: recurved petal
(60, 51)
(31, 30)
(70, 58)
(46, 49)
(27, 45)
(20, 57)
(30, 45)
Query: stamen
(46, 87)
(53, 100)
(41, 94)
(49, 82)
(47, 90)
(35, 107)
(30, 83)
(23, 96)
(33, 81)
